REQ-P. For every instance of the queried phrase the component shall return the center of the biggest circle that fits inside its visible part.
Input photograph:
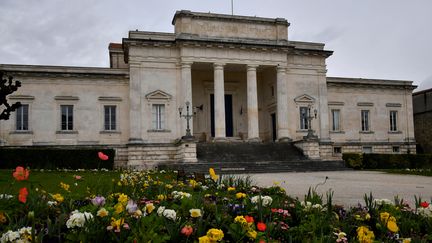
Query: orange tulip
(261, 226)
(103, 156)
(22, 197)
(20, 173)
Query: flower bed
(159, 206)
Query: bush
(353, 160)
(52, 158)
(388, 161)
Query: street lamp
(187, 116)
(309, 116)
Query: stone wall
(310, 148)
(422, 102)
(148, 156)
(423, 131)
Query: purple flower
(131, 207)
(98, 201)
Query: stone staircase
(229, 158)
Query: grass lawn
(422, 172)
(91, 182)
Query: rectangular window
(396, 149)
(365, 120)
(336, 120)
(367, 150)
(22, 117)
(66, 117)
(337, 150)
(110, 117)
(158, 113)
(393, 121)
(304, 113)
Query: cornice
(229, 18)
(368, 83)
(64, 71)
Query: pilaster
(135, 135)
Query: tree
(7, 87)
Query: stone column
(252, 104)
(135, 135)
(219, 102)
(282, 105)
(186, 76)
(323, 113)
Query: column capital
(281, 69)
(218, 65)
(186, 64)
(251, 67)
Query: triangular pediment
(158, 95)
(304, 98)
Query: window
(304, 113)
(393, 121)
(110, 117)
(336, 120)
(365, 120)
(66, 117)
(158, 113)
(22, 118)
(337, 150)
(396, 149)
(367, 150)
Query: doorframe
(233, 105)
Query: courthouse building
(246, 81)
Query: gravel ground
(350, 186)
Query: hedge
(387, 161)
(53, 158)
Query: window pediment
(304, 98)
(158, 95)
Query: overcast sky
(387, 39)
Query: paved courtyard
(350, 186)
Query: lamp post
(309, 116)
(187, 116)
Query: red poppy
(261, 226)
(20, 173)
(249, 219)
(22, 197)
(424, 204)
(103, 156)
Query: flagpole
(232, 7)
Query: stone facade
(422, 102)
(245, 81)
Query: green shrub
(53, 158)
(388, 161)
(353, 160)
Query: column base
(136, 141)
(284, 140)
(254, 140)
(220, 139)
(188, 138)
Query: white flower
(426, 212)
(170, 214)
(52, 203)
(180, 195)
(265, 200)
(204, 188)
(5, 196)
(25, 230)
(383, 201)
(160, 210)
(10, 236)
(78, 219)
